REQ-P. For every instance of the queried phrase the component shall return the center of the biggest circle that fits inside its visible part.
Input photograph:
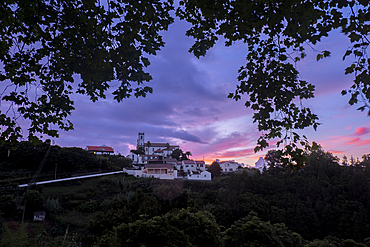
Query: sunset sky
(189, 105)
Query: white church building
(150, 151)
(155, 160)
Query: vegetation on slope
(323, 204)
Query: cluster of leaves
(180, 155)
(277, 34)
(45, 45)
(52, 205)
(10, 237)
(183, 228)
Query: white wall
(202, 176)
(140, 173)
(229, 166)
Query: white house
(191, 165)
(229, 166)
(161, 171)
(139, 159)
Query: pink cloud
(352, 141)
(237, 153)
(362, 143)
(348, 127)
(362, 131)
(233, 146)
(356, 141)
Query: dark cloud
(189, 104)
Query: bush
(52, 205)
(89, 206)
(17, 238)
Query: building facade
(229, 166)
(100, 149)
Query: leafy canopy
(46, 45)
(277, 34)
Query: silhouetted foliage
(184, 228)
(25, 157)
(214, 169)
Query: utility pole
(33, 180)
(56, 167)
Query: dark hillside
(323, 204)
(18, 163)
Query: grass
(80, 188)
(73, 220)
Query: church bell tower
(140, 141)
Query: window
(231, 169)
(205, 176)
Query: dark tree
(177, 154)
(214, 169)
(44, 44)
(277, 34)
(183, 228)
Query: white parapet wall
(204, 176)
(140, 173)
(135, 173)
